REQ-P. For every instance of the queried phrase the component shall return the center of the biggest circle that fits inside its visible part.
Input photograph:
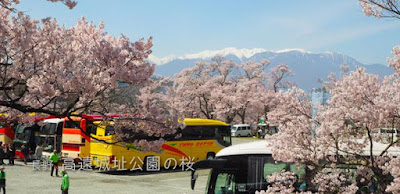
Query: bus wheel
(248, 135)
(210, 155)
(238, 135)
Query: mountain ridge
(308, 67)
(208, 54)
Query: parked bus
(28, 135)
(50, 135)
(6, 131)
(200, 139)
(244, 168)
(76, 142)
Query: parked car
(241, 130)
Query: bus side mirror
(193, 179)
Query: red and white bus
(76, 136)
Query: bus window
(72, 124)
(226, 140)
(225, 183)
(47, 143)
(109, 130)
(53, 128)
(24, 134)
(255, 176)
(270, 168)
(45, 129)
(59, 129)
(220, 133)
(300, 171)
(198, 132)
(89, 127)
(223, 135)
(94, 130)
(20, 131)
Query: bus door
(51, 136)
(26, 135)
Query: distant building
(319, 96)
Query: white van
(241, 130)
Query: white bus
(244, 168)
(50, 135)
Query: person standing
(2, 154)
(54, 160)
(65, 182)
(7, 150)
(2, 179)
(25, 152)
(38, 152)
(11, 150)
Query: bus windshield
(72, 124)
(48, 129)
(23, 133)
(247, 173)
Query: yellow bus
(200, 139)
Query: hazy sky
(184, 27)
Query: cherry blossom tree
(9, 4)
(347, 132)
(277, 77)
(252, 81)
(341, 133)
(153, 110)
(265, 96)
(381, 8)
(195, 86)
(48, 68)
(231, 92)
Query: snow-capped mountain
(208, 54)
(307, 66)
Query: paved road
(238, 140)
(23, 179)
